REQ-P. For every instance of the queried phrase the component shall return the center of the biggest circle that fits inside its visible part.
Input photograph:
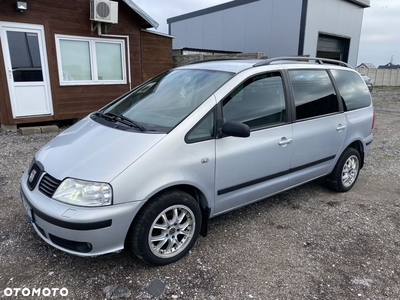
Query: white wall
(382, 77)
(337, 17)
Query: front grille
(48, 185)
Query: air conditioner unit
(104, 11)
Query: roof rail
(318, 60)
(213, 60)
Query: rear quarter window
(352, 89)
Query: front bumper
(83, 231)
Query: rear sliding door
(319, 127)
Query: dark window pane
(258, 102)
(352, 89)
(33, 46)
(203, 131)
(314, 93)
(25, 56)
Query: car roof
(231, 65)
(238, 65)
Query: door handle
(10, 73)
(284, 142)
(341, 127)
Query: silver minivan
(150, 169)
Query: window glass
(258, 102)
(109, 61)
(33, 45)
(85, 60)
(352, 89)
(203, 131)
(25, 56)
(314, 94)
(75, 58)
(163, 102)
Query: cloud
(161, 10)
(379, 37)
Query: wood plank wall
(150, 54)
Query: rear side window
(352, 89)
(314, 94)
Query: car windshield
(163, 102)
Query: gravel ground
(308, 243)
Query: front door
(252, 168)
(25, 60)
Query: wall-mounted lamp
(22, 6)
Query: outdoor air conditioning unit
(104, 11)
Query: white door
(25, 60)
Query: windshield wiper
(122, 119)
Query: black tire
(175, 234)
(345, 173)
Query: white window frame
(93, 60)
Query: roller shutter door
(329, 44)
(333, 47)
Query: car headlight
(84, 193)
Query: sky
(380, 35)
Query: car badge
(32, 175)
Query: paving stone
(116, 292)
(49, 128)
(156, 288)
(29, 130)
(8, 127)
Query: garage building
(323, 28)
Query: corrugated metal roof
(389, 66)
(367, 65)
(142, 13)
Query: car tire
(345, 173)
(166, 228)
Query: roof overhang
(362, 3)
(142, 13)
(158, 33)
(210, 10)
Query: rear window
(314, 95)
(352, 89)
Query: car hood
(94, 152)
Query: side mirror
(237, 129)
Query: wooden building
(64, 59)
